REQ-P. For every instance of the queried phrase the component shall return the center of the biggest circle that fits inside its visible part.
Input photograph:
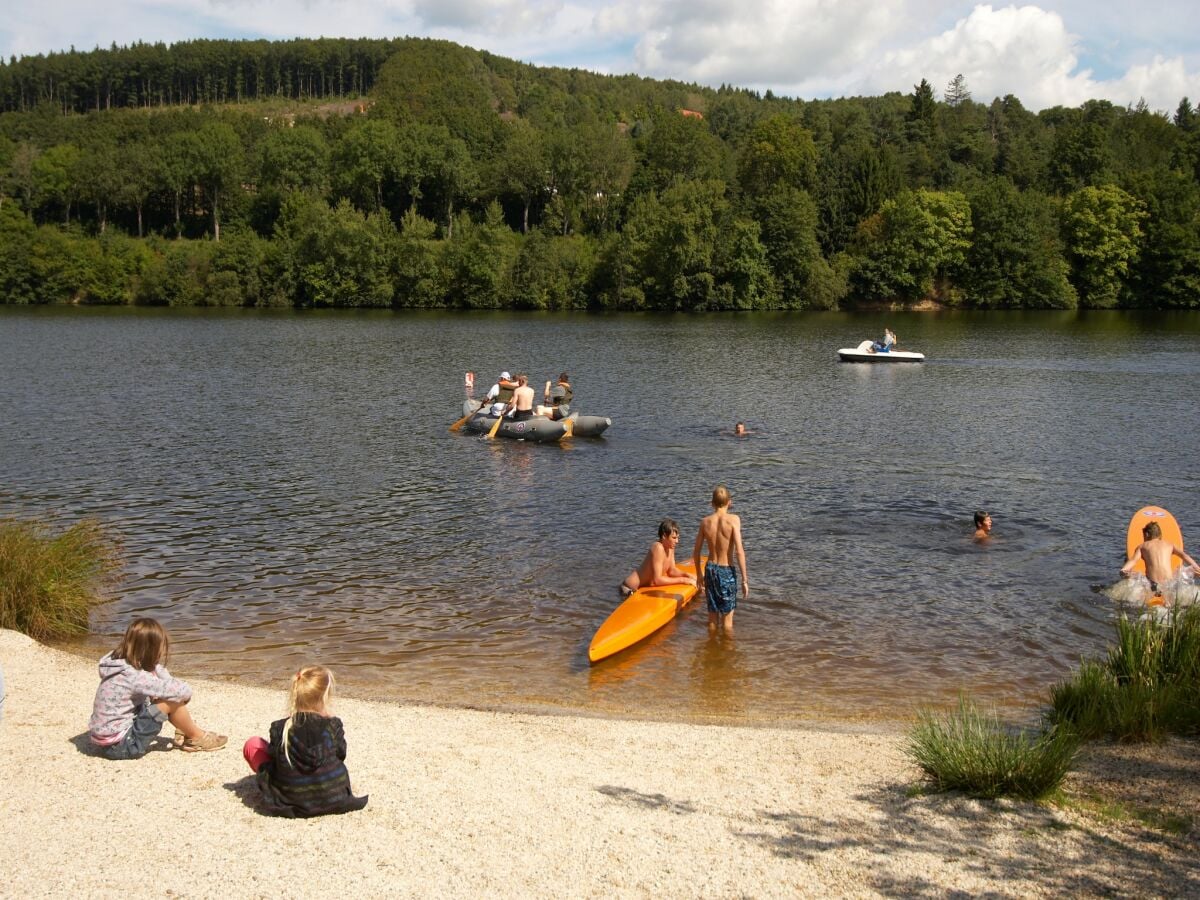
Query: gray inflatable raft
(536, 428)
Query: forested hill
(413, 172)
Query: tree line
(449, 177)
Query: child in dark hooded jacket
(302, 769)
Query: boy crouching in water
(722, 531)
(1156, 553)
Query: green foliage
(553, 273)
(1016, 259)
(334, 257)
(478, 263)
(972, 752)
(1148, 686)
(867, 189)
(917, 237)
(18, 282)
(49, 582)
(1102, 231)
(779, 153)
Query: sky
(1057, 52)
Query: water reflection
(287, 492)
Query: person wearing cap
(500, 394)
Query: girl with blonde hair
(137, 696)
(301, 769)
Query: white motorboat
(864, 353)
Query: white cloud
(1056, 52)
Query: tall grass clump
(50, 581)
(969, 751)
(1147, 686)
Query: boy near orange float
(137, 696)
(722, 531)
(659, 568)
(1156, 553)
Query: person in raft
(983, 525)
(557, 400)
(137, 696)
(522, 399)
(499, 394)
(886, 345)
(722, 531)
(301, 771)
(658, 568)
(1156, 553)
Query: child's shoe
(177, 741)
(210, 740)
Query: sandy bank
(470, 803)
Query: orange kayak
(644, 612)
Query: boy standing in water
(1156, 554)
(658, 568)
(722, 531)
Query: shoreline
(467, 802)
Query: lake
(287, 491)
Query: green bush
(1147, 687)
(975, 753)
(49, 582)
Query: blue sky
(1046, 54)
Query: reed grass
(49, 581)
(1148, 685)
(973, 752)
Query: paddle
(569, 425)
(495, 428)
(463, 421)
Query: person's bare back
(721, 531)
(1156, 553)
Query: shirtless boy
(983, 526)
(522, 400)
(658, 568)
(1156, 554)
(722, 531)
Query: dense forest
(419, 173)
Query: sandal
(210, 740)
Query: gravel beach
(469, 803)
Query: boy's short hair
(1152, 531)
(720, 496)
(667, 527)
(980, 515)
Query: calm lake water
(287, 492)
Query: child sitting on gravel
(302, 770)
(137, 695)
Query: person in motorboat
(886, 345)
(557, 399)
(522, 400)
(499, 395)
(983, 525)
(658, 568)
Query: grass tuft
(975, 753)
(49, 582)
(1148, 686)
